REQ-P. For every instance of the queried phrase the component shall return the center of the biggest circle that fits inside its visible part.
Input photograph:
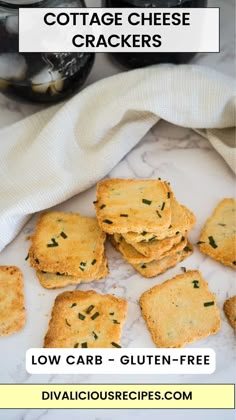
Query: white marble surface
(200, 179)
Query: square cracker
(218, 237)
(80, 245)
(155, 248)
(86, 319)
(57, 281)
(12, 309)
(182, 220)
(230, 311)
(134, 257)
(180, 310)
(125, 205)
(156, 267)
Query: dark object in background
(45, 77)
(135, 60)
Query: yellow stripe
(117, 396)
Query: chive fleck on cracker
(67, 243)
(230, 311)
(57, 280)
(218, 237)
(180, 310)
(86, 319)
(125, 205)
(156, 267)
(12, 309)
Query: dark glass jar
(45, 77)
(135, 60)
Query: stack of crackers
(146, 223)
(67, 249)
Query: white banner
(119, 30)
(121, 361)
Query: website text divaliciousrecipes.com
(123, 361)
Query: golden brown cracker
(12, 309)
(180, 310)
(230, 311)
(86, 319)
(218, 237)
(155, 248)
(182, 220)
(67, 243)
(57, 280)
(134, 257)
(125, 205)
(156, 267)
(129, 253)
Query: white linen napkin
(61, 151)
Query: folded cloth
(57, 153)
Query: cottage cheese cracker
(180, 310)
(12, 310)
(125, 205)
(86, 319)
(182, 220)
(134, 257)
(57, 281)
(230, 311)
(67, 243)
(156, 267)
(155, 248)
(218, 237)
